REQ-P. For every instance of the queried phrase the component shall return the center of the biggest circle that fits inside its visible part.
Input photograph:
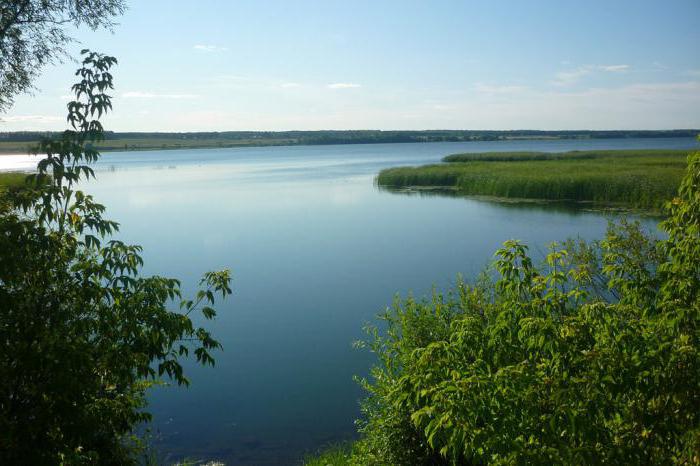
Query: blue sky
(384, 64)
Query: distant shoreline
(18, 143)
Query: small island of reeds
(642, 179)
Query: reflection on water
(316, 251)
(568, 207)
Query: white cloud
(227, 78)
(232, 82)
(695, 73)
(290, 85)
(640, 106)
(343, 86)
(153, 95)
(614, 68)
(497, 89)
(30, 118)
(567, 78)
(209, 48)
(634, 106)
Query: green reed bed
(570, 155)
(11, 179)
(640, 179)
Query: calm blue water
(316, 251)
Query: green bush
(10, 180)
(335, 455)
(82, 333)
(590, 358)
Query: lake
(316, 251)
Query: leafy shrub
(82, 333)
(590, 358)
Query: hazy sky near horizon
(479, 64)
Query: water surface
(316, 251)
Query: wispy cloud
(228, 78)
(210, 48)
(569, 77)
(30, 118)
(640, 105)
(442, 107)
(154, 95)
(565, 78)
(614, 68)
(694, 73)
(498, 89)
(290, 85)
(343, 86)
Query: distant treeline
(21, 142)
(366, 136)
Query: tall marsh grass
(640, 178)
(11, 179)
(570, 155)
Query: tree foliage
(33, 33)
(591, 358)
(82, 333)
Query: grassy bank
(337, 455)
(11, 179)
(634, 178)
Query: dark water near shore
(316, 251)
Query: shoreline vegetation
(84, 331)
(10, 180)
(587, 357)
(20, 142)
(639, 179)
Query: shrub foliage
(590, 358)
(34, 33)
(82, 333)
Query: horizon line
(582, 130)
